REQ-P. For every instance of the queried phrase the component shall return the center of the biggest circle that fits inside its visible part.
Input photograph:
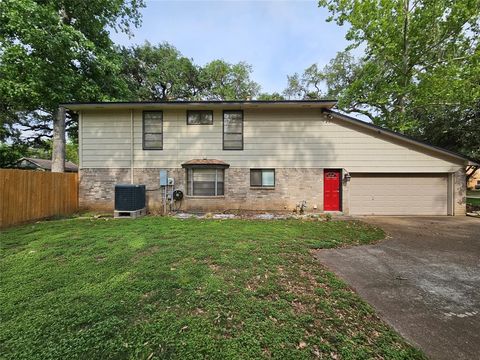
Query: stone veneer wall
(460, 192)
(292, 185)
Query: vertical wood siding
(31, 195)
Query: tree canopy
(162, 73)
(419, 73)
(57, 51)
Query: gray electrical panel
(163, 177)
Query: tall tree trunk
(58, 151)
(405, 60)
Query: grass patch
(473, 201)
(186, 289)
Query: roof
(47, 164)
(399, 136)
(227, 104)
(210, 163)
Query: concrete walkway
(424, 280)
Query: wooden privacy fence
(30, 195)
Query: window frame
(199, 111)
(223, 129)
(261, 170)
(189, 181)
(143, 130)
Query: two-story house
(263, 155)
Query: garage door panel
(398, 194)
(423, 191)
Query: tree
(57, 51)
(270, 97)
(162, 73)
(418, 55)
(159, 73)
(10, 153)
(307, 86)
(226, 81)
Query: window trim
(200, 111)
(143, 129)
(263, 186)
(189, 184)
(223, 129)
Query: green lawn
(184, 289)
(473, 201)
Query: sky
(278, 38)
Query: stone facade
(96, 187)
(460, 192)
(292, 185)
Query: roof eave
(249, 104)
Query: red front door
(331, 190)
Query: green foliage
(166, 288)
(270, 97)
(57, 51)
(228, 81)
(332, 81)
(162, 73)
(71, 152)
(473, 201)
(11, 153)
(418, 55)
(306, 86)
(421, 68)
(158, 73)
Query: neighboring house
(43, 164)
(474, 181)
(263, 155)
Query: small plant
(328, 217)
(301, 206)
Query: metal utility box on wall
(163, 177)
(129, 200)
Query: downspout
(131, 146)
(80, 140)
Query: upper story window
(262, 178)
(199, 117)
(233, 130)
(152, 130)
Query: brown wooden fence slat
(31, 195)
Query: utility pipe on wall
(131, 146)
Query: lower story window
(205, 182)
(262, 178)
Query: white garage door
(394, 194)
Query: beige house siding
(298, 143)
(272, 138)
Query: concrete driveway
(424, 280)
